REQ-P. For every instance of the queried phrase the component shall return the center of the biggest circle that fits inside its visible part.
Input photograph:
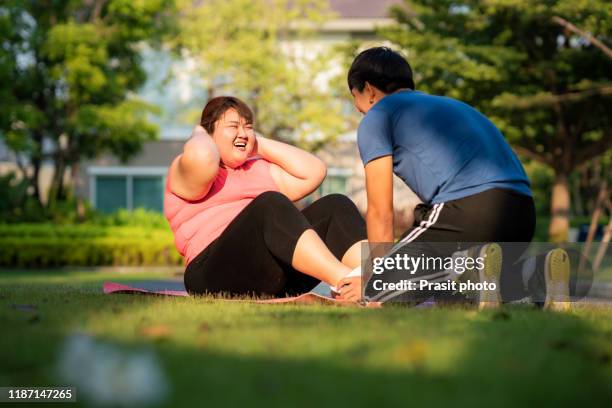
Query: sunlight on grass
(236, 349)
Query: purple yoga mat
(176, 288)
(161, 287)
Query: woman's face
(234, 138)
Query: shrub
(137, 218)
(49, 245)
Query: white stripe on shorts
(433, 218)
(425, 224)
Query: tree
(540, 69)
(68, 71)
(259, 50)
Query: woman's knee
(271, 199)
(338, 202)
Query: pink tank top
(196, 224)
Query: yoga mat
(176, 288)
(160, 287)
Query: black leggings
(496, 215)
(254, 254)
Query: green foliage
(259, 50)
(52, 245)
(135, 218)
(32, 236)
(111, 128)
(546, 84)
(546, 87)
(541, 178)
(80, 231)
(17, 207)
(14, 193)
(543, 222)
(68, 74)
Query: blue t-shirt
(443, 149)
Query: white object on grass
(105, 375)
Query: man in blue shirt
(442, 148)
(472, 186)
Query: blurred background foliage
(69, 73)
(536, 68)
(257, 49)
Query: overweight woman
(229, 201)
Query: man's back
(442, 148)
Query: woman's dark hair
(216, 107)
(383, 68)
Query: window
(111, 193)
(113, 188)
(148, 192)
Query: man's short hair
(383, 68)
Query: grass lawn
(219, 353)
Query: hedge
(81, 231)
(48, 245)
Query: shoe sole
(557, 275)
(492, 254)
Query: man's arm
(379, 188)
(193, 172)
(296, 172)
(379, 218)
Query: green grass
(218, 353)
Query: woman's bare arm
(296, 172)
(193, 172)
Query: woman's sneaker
(557, 276)
(492, 254)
